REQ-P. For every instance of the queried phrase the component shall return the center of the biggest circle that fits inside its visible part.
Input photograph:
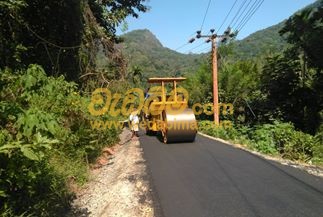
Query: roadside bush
(262, 139)
(226, 133)
(318, 148)
(282, 138)
(277, 138)
(46, 140)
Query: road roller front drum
(176, 122)
(178, 127)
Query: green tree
(239, 85)
(136, 75)
(293, 82)
(62, 36)
(11, 47)
(304, 31)
(288, 96)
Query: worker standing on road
(147, 93)
(134, 120)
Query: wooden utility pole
(215, 82)
(212, 38)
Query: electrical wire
(180, 47)
(184, 45)
(207, 10)
(247, 20)
(199, 45)
(254, 5)
(240, 27)
(247, 15)
(203, 21)
(242, 13)
(204, 18)
(204, 49)
(238, 12)
(227, 16)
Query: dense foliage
(63, 37)
(48, 57)
(54, 53)
(275, 139)
(292, 81)
(45, 140)
(277, 96)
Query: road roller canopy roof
(159, 80)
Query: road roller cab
(166, 111)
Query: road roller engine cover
(166, 111)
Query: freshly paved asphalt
(209, 178)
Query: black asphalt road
(208, 178)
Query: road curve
(209, 178)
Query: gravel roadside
(119, 189)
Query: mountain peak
(143, 49)
(143, 35)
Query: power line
(225, 19)
(247, 20)
(253, 6)
(244, 10)
(238, 12)
(180, 47)
(184, 45)
(207, 10)
(204, 18)
(250, 16)
(199, 45)
(204, 49)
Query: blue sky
(174, 21)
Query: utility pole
(212, 38)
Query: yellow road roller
(166, 110)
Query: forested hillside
(143, 50)
(264, 42)
(260, 43)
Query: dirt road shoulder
(120, 188)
